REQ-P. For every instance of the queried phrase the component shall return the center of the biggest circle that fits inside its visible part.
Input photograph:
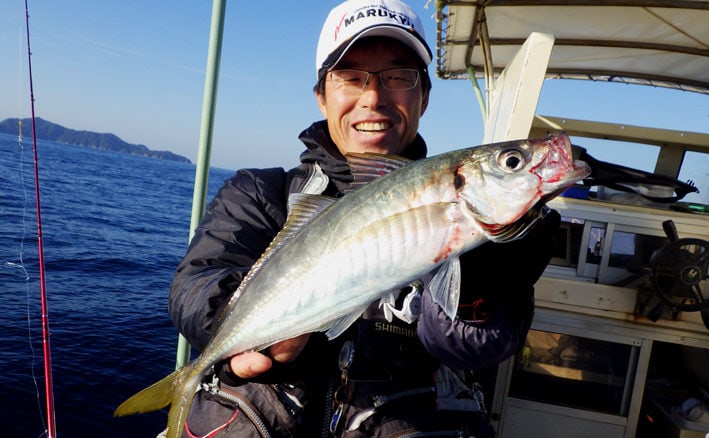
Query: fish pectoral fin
(445, 287)
(340, 325)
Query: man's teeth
(372, 126)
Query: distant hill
(107, 142)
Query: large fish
(334, 258)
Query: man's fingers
(250, 364)
(286, 351)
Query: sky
(136, 68)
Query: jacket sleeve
(237, 227)
(497, 301)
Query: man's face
(374, 119)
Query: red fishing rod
(48, 386)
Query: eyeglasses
(354, 81)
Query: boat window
(574, 371)
(633, 251)
(595, 245)
(579, 248)
(568, 242)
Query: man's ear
(424, 102)
(321, 104)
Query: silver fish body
(335, 257)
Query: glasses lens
(399, 78)
(349, 79)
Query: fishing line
(48, 386)
(20, 264)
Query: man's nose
(373, 93)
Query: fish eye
(511, 160)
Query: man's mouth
(372, 126)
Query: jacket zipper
(246, 408)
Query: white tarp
(663, 43)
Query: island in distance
(108, 142)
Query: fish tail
(154, 397)
(177, 389)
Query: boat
(619, 345)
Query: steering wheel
(680, 270)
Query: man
(382, 378)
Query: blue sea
(114, 228)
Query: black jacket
(250, 209)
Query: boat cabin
(619, 346)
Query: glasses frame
(368, 75)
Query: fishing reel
(679, 273)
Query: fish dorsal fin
(302, 208)
(445, 287)
(367, 167)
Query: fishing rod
(48, 386)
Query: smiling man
(385, 376)
(373, 97)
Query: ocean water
(114, 228)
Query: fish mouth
(558, 170)
(579, 171)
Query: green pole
(205, 140)
(478, 93)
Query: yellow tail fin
(177, 389)
(154, 397)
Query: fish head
(501, 183)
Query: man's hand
(252, 364)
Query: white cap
(355, 19)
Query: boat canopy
(652, 42)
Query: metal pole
(478, 94)
(205, 139)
